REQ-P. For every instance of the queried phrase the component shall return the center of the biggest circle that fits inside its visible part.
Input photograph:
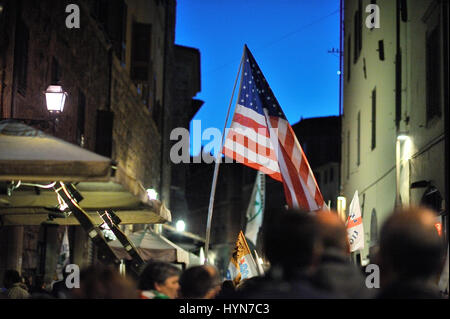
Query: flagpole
(216, 167)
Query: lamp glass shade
(180, 226)
(56, 98)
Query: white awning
(30, 156)
(153, 246)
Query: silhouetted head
(291, 241)
(162, 277)
(410, 246)
(333, 233)
(199, 282)
(101, 282)
(11, 277)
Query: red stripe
(296, 184)
(250, 123)
(243, 160)
(257, 148)
(354, 222)
(287, 195)
(318, 198)
(289, 141)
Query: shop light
(180, 226)
(56, 98)
(152, 194)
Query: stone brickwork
(136, 139)
(88, 66)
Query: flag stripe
(261, 139)
(249, 113)
(250, 123)
(273, 174)
(248, 142)
(248, 156)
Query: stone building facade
(395, 116)
(118, 69)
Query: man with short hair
(13, 282)
(293, 248)
(200, 282)
(336, 273)
(159, 280)
(410, 255)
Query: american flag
(260, 137)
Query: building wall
(375, 176)
(426, 137)
(90, 64)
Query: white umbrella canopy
(152, 246)
(30, 156)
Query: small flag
(355, 228)
(255, 209)
(261, 137)
(64, 256)
(242, 265)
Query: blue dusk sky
(289, 39)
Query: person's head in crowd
(291, 242)
(161, 277)
(410, 246)
(102, 282)
(333, 233)
(200, 282)
(10, 278)
(227, 289)
(250, 285)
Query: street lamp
(152, 194)
(56, 98)
(180, 226)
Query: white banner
(355, 227)
(255, 209)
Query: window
(433, 75)
(331, 174)
(358, 140)
(81, 118)
(123, 46)
(373, 229)
(348, 154)
(140, 56)
(403, 10)
(349, 57)
(104, 133)
(374, 118)
(21, 56)
(114, 19)
(325, 178)
(357, 23)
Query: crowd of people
(309, 258)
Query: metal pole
(216, 168)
